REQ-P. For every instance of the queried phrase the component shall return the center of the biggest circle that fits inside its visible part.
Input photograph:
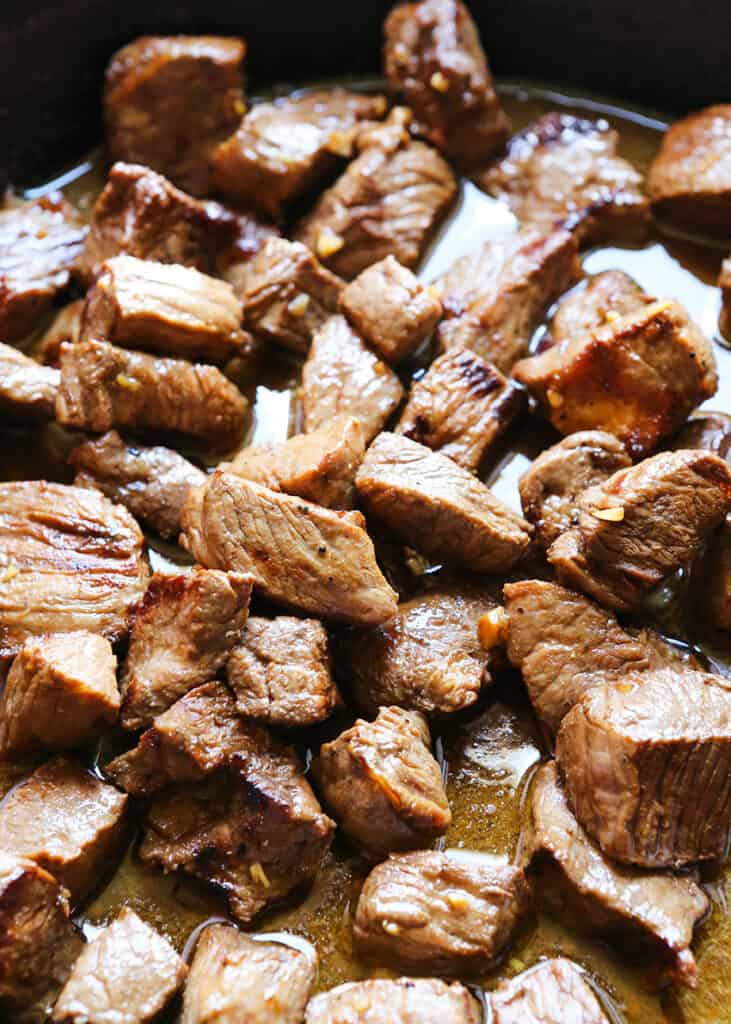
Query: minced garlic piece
(457, 901)
(492, 628)
(609, 515)
(257, 873)
(328, 243)
(127, 382)
(611, 316)
(438, 82)
(9, 574)
(239, 107)
(298, 305)
(340, 143)
(516, 965)
(391, 928)
(435, 291)
(555, 399)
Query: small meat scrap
(66, 326)
(61, 691)
(406, 1000)
(594, 302)
(724, 283)
(169, 101)
(383, 785)
(495, 297)
(718, 582)
(460, 407)
(565, 169)
(439, 508)
(41, 243)
(27, 389)
(452, 912)
(655, 910)
(707, 430)
(552, 992)
(388, 202)
(433, 55)
(301, 555)
(281, 672)
(342, 377)
(127, 974)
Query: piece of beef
(718, 581)
(170, 100)
(438, 507)
(689, 182)
(237, 979)
(495, 297)
(40, 246)
(708, 430)
(565, 169)
(70, 559)
(388, 202)
(550, 487)
(61, 691)
(383, 785)
(406, 1000)
(551, 992)
(319, 466)
(638, 376)
(654, 910)
(642, 524)
(66, 326)
(596, 301)
(68, 822)
(103, 386)
(282, 149)
(646, 764)
(301, 555)
(153, 483)
(281, 672)
(724, 283)
(27, 389)
(451, 912)
(342, 377)
(127, 974)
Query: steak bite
(27, 389)
(718, 582)
(169, 101)
(65, 326)
(597, 301)
(724, 283)
(406, 1000)
(552, 992)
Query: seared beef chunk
(642, 524)
(300, 554)
(235, 979)
(647, 766)
(718, 595)
(180, 636)
(40, 246)
(388, 202)
(438, 507)
(550, 488)
(552, 992)
(342, 377)
(565, 169)
(597, 301)
(169, 101)
(126, 975)
(689, 182)
(460, 407)
(68, 822)
(69, 560)
(66, 326)
(724, 283)
(280, 672)
(708, 430)
(61, 691)
(638, 376)
(282, 148)
(406, 1000)
(152, 483)
(319, 466)
(451, 912)
(27, 389)
(495, 296)
(433, 55)
(103, 386)
(383, 784)
(656, 909)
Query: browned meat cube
(718, 583)
(281, 674)
(597, 301)
(68, 822)
(708, 430)
(495, 297)
(388, 202)
(552, 992)
(655, 910)
(434, 56)
(383, 785)
(566, 169)
(153, 483)
(319, 466)
(282, 148)
(301, 555)
(27, 389)
(66, 326)
(237, 978)
(391, 309)
(724, 283)
(406, 1000)
(460, 407)
(181, 635)
(452, 912)
(40, 246)
(60, 692)
(342, 377)
(103, 386)
(550, 488)
(127, 974)
(642, 524)
(438, 507)
(70, 559)
(689, 182)
(169, 101)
